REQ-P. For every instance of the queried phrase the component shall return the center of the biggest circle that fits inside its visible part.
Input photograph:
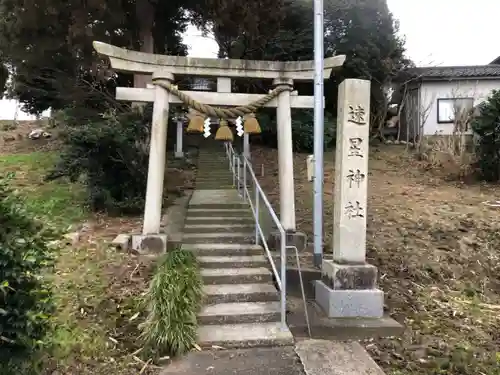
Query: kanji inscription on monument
(357, 114)
(355, 147)
(354, 209)
(351, 171)
(355, 178)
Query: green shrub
(302, 130)
(173, 300)
(486, 128)
(110, 153)
(25, 296)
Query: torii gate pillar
(157, 158)
(151, 241)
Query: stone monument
(348, 288)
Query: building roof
(496, 61)
(456, 72)
(434, 73)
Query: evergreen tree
(486, 128)
(364, 30)
(48, 43)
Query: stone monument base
(349, 291)
(149, 244)
(367, 303)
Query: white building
(434, 96)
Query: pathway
(242, 312)
(242, 304)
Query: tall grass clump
(173, 300)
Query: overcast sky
(437, 32)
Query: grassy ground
(436, 245)
(97, 289)
(58, 201)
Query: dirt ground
(436, 245)
(98, 291)
(14, 137)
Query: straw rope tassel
(251, 124)
(196, 123)
(224, 133)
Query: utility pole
(319, 36)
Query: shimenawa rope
(223, 113)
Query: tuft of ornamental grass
(173, 299)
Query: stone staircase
(242, 307)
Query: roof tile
(480, 71)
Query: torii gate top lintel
(140, 62)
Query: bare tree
(462, 110)
(451, 147)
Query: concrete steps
(240, 312)
(236, 204)
(219, 220)
(221, 237)
(215, 228)
(211, 187)
(223, 249)
(213, 171)
(242, 307)
(209, 184)
(244, 335)
(236, 261)
(217, 185)
(227, 293)
(215, 177)
(220, 180)
(219, 212)
(250, 275)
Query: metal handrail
(236, 162)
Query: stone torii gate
(164, 69)
(349, 285)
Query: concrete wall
(431, 91)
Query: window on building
(449, 109)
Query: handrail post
(257, 214)
(283, 279)
(234, 168)
(244, 178)
(238, 174)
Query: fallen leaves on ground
(436, 245)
